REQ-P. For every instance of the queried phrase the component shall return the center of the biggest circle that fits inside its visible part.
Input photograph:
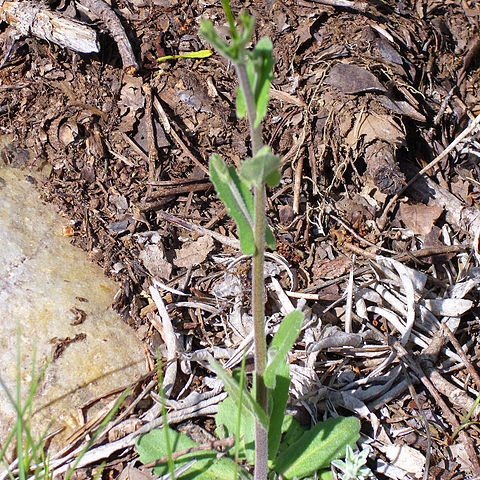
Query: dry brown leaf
(374, 127)
(194, 252)
(330, 268)
(153, 258)
(418, 217)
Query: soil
(363, 99)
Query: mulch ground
(363, 99)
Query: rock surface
(54, 294)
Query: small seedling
(354, 467)
(268, 439)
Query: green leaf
(246, 438)
(233, 388)
(240, 105)
(198, 54)
(262, 60)
(237, 198)
(325, 442)
(260, 74)
(263, 168)
(282, 342)
(151, 447)
(235, 50)
(292, 431)
(279, 397)
(325, 475)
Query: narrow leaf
(277, 416)
(237, 198)
(259, 70)
(262, 60)
(230, 18)
(233, 388)
(197, 54)
(325, 442)
(282, 342)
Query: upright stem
(258, 283)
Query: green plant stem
(258, 283)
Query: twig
(167, 332)
(27, 18)
(225, 443)
(115, 27)
(152, 148)
(408, 359)
(297, 184)
(468, 364)
(358, 237)
(169, 130)
(187, 186)
(135, 147)
(353, 5)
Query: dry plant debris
(367, 95)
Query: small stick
(135, 147)
(410, 361)
(353, 5)
(358, 237)
(471, 370)
(225, 443)
(152, 148)
(187, 187)
(167, 332)
(115, 27)
(297, 184)
(169, 130)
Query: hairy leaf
(282, 342)
(317, 447)
(279, 396)
(237, 198)
(263, 168)
(227, 420)
(259, 69)
(233, 388)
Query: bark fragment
(28, 19)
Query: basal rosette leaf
(233, 388)
(317, 447)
